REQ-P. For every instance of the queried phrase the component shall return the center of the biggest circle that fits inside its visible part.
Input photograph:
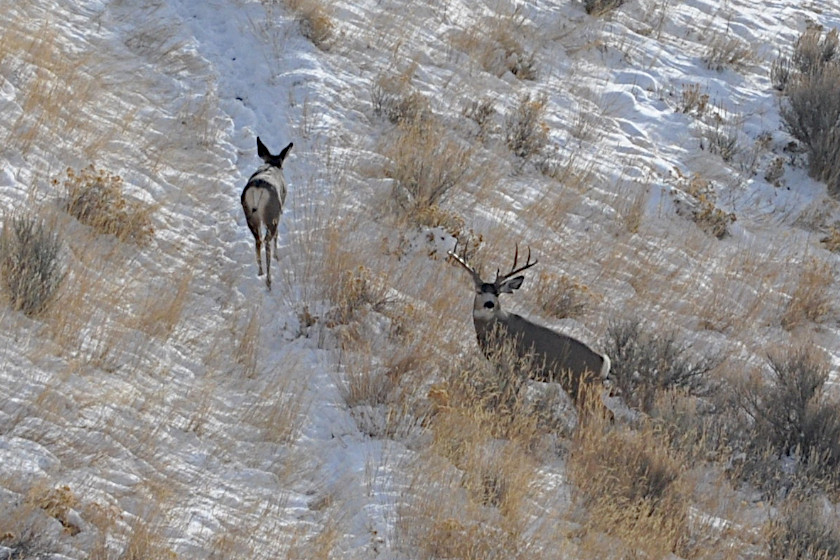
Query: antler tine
(513, 270)
(453, 254)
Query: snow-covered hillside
(167, 405)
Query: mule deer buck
(262, 200)
(553, 356)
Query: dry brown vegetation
(97, 198)
(315, 19)
(633, 487)
(496, 466)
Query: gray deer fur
(553, 356)
(262, 200)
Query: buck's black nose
(489, 304)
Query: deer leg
(259, 260)
(268, 261)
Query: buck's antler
(453, 254)
(513, 270)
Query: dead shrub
(525, 132)
(433, 216)
(811, 111)
(425, 164)
(600, 7)
(695, 197)
(481, 111)
(96, 198)
(496, 44)
(394, 98)
(29, 264)
(646, 364)
(775, 172)
(562, 296)
(792, 418)
(355, 292)
(781, 71)
(693, 100)
(803, 530)
(721, 140)
(831, 241)
(726, 52)
(813, 50)
(315, 21)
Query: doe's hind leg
(268, 262)
(259, 257)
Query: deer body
(262, 201)
(553, 356)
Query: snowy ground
(172, 394)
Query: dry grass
(561, 296)
(163, 308)
(803, 529)
(87, 303)
(696, 198)
(724, 52)
(497, 44)
(795, 417)
(469, 511)
(425, 163)
(57, 91)
(30, 264)
(97, 198)
(526, 133)
(632, 487)
(394, 98)
(146, 539)
(810, 299)
(693, 100)
(279, 410)
(247, 343)
(315, 19)
(599, 8)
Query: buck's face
(486, 305)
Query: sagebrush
(794, 419)
(811, 112)
(646, 364)
(30, 263)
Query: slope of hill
(166, 405)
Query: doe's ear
(285, 152)
(508, 286)
(262, 151)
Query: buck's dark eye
(489, 304)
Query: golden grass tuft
(247, 343)
(425, 163)
(438, 519)
(810, 299)
(561, 296)
(316, 21)
(163, 308)
(632, 487)
(279, 410)
(497, 44)
(97, 198)
(57, 91)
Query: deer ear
(285, 151)
(262, 151)
(508, 286)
